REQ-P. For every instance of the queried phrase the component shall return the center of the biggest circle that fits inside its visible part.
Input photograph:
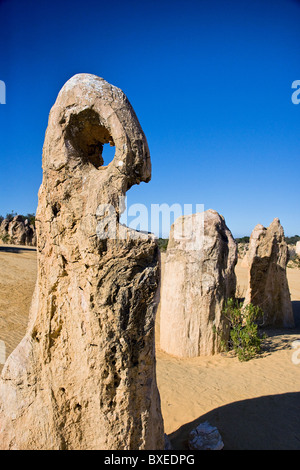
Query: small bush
(31, 218)
(244, 337)
(294, 259)
(163, 244)
(5, 238)
(292, 240)
(295, 263)
(243, 240)
(10, 216)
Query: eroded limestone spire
(84, 375)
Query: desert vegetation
(245, 335)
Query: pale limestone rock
(199, 277)
(267, 283)
(21, 232)
(84, 376)
(18, 231)
(243, 253)
(4, 227)
(242, 250)
(298, 249)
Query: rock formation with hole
(84, 376)
(199, 277)
(267, 281)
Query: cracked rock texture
(267, 281)
(199, 277)
(84, 376)
(18, 231)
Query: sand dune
(255, 405)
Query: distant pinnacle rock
(267, 284)
(18, 231)
(199, 277)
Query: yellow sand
(255, 405)
(17, 280)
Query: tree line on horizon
(162, 242)
(290, 240)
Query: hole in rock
(108, 154)
(88, 140)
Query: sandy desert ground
(255, 405)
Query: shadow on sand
(296, 310)
(265, 423)
(15, 249)
(281, 338)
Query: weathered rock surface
(199, 277)
(298, 249)
(205, 437)
(243, 253)
(84, 376)
(4, 227)
(18, 231)
(267, 285)
(242, 250)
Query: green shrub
(243, 240)
(292, 240)
(5, 238)
(244, 337)
(10, 216)
(295, 263)
(31, 218)
(163, 244)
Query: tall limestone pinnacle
(84, 375)
(267, 281)
(199, 277)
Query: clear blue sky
(210, 82)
